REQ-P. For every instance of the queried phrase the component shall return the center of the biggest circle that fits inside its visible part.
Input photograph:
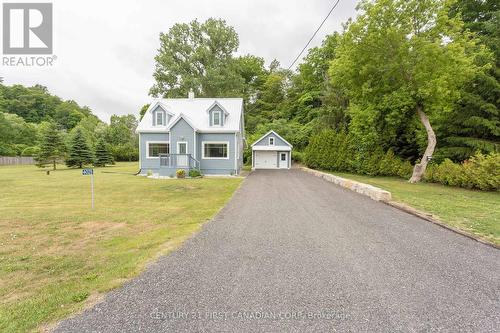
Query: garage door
(266, 160)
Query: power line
(312, 37)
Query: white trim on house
(161, 105)
(220, 118)
(276, 148)
(220, 106)
(287, 157)
(147, 148)
(271, 131)
(203, 143)
(163, 116)
(187, 150)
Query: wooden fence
(16, 160)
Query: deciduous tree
(197, 56)
(402, 59)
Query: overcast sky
(105, 49)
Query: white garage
(271, 152)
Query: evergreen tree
(102, 154)
(51, 147)
(474, 123)
(79, 151)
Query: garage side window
(157, 148)
(215, 150)
(271, 141)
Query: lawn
(477, 212)
(58, 255)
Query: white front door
(283, 161)
(182, 158)
(265, 160)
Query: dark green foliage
(197, 56)
(24, 110)
(338, 151)
(36, 104)
(79, 151)
(16, 136)
(52, 148)
(121, 136)
(102, 154)
(143, 110)
(479, 172)
(194, 173)
(474, 123)
(297, 156)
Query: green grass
(56, 254)
(477, 212)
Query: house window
(159, 118)
(216, 118)
(154, 149)
(283, 156)
(271, 141)
(215, 150)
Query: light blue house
(192, 133)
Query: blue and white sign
(90, 172)
(87, 172)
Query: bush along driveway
(292, 253)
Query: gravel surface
(294, 253)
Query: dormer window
(217, 115)
(271, 141)
(216, 118)
(160, 118)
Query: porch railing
(179, 161)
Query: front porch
(170, 163)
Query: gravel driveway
(294, 253)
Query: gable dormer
(160, 116)
(217, 115)
(272, 139)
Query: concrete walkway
(294, 253)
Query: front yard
(477, 212)
(56, 254)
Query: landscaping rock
(373, 192)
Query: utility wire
(312, 37)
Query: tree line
(33, 122)
(415, 79)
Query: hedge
(338, 151)
(479, 172)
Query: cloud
(106, 49)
